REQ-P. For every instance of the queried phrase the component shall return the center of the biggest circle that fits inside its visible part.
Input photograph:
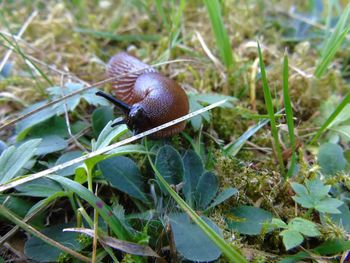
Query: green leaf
(54, 126)
(291, 238)
(17, 205)
(248, 220)
(100, 117)
(13, 159)
(41, 187)
(206, 190)
(342, 219)
(170, 165)
(299, 189)
(124, 175)
(276, 222)
(107, 135)
(38, 250)
(223, 196)
(304, 226)
(329, 205)
(332, 247)
(190, 241)
(331, 158)
(193, 169)
(50, 144)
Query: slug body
(147, 98)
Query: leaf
(38, 250)
(17, 205)
(108, 134)
(100, 117)
(210, 98)
(169, 164)
(54, 126)
(331, 158)
(190, 241)
(223, 196)
(291, 238)
(124, 175)
(22, 127)
(206, 190)
(332, 247)
(13, 159)
(125, 246)
(276, 222)
(41, 187)
(329, 205)
(65, 158)
(304, 226)
(299, 189)
(193, 169)
(342, 219)
(248, 220)
(128, 149)
(50, 144)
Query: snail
(146, 98)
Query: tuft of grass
(222, 40)
(289, 114)
(333, 43)
(270, 111)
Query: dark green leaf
(248, 219)
(124, 175)
(193, 169)
(332, 247)
(190, 241)
(100, 117)
(291, 238)
(223, 196)
(169, 164)
(206, 190)
(38, 250)
(41, 187)
(50, 144)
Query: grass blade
(231, 252)
(333, 43)
(331, 118)
(270, 111)
(289, 115)
(222, 40)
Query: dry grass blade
(97, 84)
(107, 149)
(125, 246)
(18, 36)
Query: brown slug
(147, 98)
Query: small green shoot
(315, 195)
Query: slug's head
(135, 117)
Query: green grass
(221, 37)
(271, 112)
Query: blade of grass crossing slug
(270, 111)
(289, 115)
(28, 228)
(222, 40)
(232, 253)
(331, 118)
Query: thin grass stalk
(270, 111)
(289, 115)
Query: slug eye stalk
(118, 103)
